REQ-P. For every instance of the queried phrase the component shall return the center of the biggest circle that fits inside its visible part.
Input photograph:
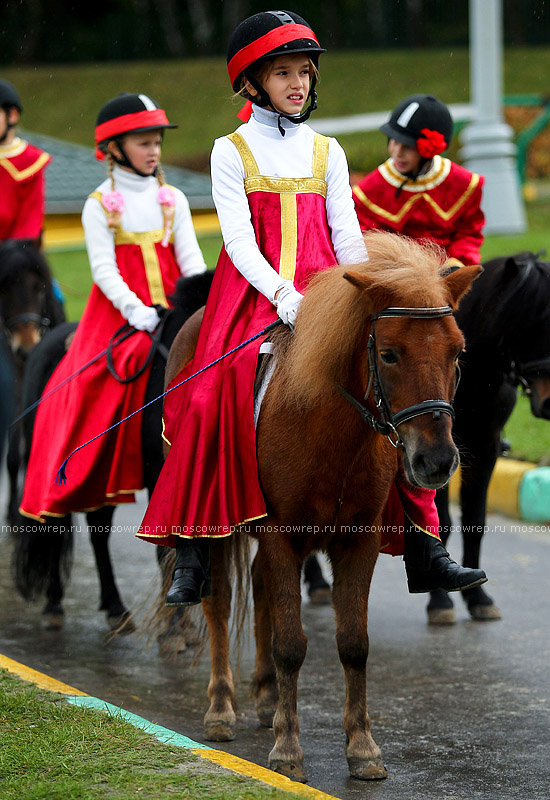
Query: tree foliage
(35, 31)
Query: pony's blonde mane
(334, 312)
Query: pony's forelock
(334, 313)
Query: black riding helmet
(127, 113)
(267, 35)
(418, 117)
(9, 98)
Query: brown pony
(326, 475)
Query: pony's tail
(37, 549)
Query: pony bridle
(387, 422)
(520, 374)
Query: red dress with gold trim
(209, 482)
(444, 206)
(109, 470)
(22, 167)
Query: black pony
(28, 307)
(43, 553)
(505, 319)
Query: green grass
(197, 95)
(53, 751)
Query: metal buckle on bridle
(388, 422)
(518, 374)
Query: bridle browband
(388, 422)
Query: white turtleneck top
(284, 157)
(142, 212)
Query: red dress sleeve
(467, 238)
(28, 221)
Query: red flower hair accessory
(430, 143)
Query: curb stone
(226, 760)
(518, 489)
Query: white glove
(287, 303)
(143, 318)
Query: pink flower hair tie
(113, 203)
(167, 199)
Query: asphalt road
(460, 712)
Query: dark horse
(506, 323)
(328, 486)
(42, 557)
(28, 307)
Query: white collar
(130, 181)
(268, 123)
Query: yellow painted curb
(38, 678)
(236, 764)
(503, 494)
(219, 757)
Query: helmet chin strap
(412, 176)
(125, 162)
(263, 100)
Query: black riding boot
(191, 578)
(430, 567)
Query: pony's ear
(361, 281)
(459, 282)
(378, 295)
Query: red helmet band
(131, 122)
(283, 34)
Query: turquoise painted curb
(164, 735)
(534, 495)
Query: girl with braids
(140, 239)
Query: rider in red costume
(22, 168)
(418, 192)
(284, 202)
(140, 239)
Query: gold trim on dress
(249, 162)
(437, 173)
(289, 236)
(320, 158)
(146, 240)
(21, 175)
(405, 208)
(13, 149)
(264, 183)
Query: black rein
(388, 422)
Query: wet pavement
(460, 711)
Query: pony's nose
(433, 469)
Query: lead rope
(61, 477)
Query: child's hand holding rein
(143, 318)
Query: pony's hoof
(484, 613)
(121, 624)
(367, 769)
(218, 731)
(441, 616)
(321, 596)
(53, 617)
(52, 621)
(291, 769)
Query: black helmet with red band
(267, 35)
(127, 113)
